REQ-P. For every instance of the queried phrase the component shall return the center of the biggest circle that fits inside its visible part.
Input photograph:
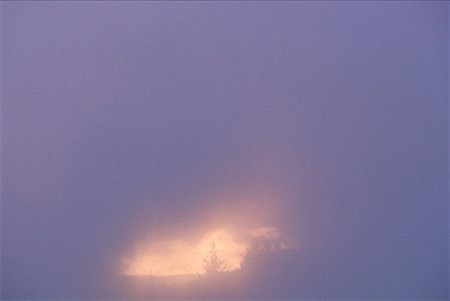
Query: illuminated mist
(307, 139)
(177, 257)
(233, 226)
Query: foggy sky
(119, 117)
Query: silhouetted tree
(249, 254)
(213, 264)
(259, 247)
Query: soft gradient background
(122, 116)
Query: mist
(130, 125)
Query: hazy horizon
(314, 134)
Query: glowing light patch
(178, 257)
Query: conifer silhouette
(213, 264)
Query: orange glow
(232, 221)
(177, 257)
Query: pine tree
(259, 247)
(213, 264)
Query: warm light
(178, 257)
(165, 258)
(233, 225)
(230, 250)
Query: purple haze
(346, 102)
